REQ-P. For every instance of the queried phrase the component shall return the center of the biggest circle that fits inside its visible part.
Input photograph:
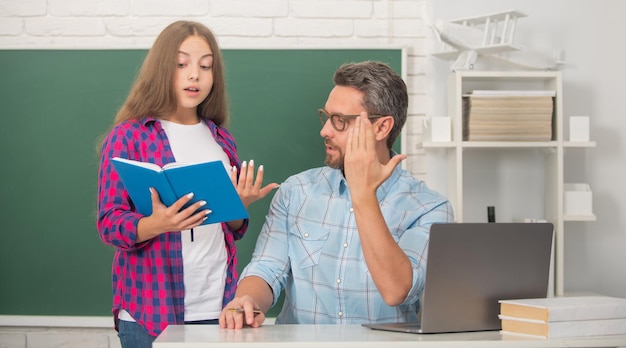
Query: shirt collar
(153, 120)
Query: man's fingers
(358, 132)
(394, 161)
(369, 137)
(349, 143)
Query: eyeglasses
(338, 121)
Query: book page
(146, 165)
(176, 165)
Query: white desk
(355, 336)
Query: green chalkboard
(55, 106)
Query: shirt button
(352, 210)
(306, 235)
(340, 314)
(338, 280)
(345, 245)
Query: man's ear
(383, 127)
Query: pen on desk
(241, 310)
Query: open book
(208, 181)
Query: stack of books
(563, 317)
(506, 115)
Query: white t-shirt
(204, 258)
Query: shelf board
(509, 144)
(505, 75)
(591, 217)
(438, 144)
(491, 144)
(579, 144)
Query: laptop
(473, 265)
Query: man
(347, 242)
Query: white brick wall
(55, 337)
(132, 24)
(94, 24)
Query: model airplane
(466, 39)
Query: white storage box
(579, 128)
(577, 200)
(440, 128)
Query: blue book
(209, 181)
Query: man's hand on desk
(240, 312)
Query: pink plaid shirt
(148, 276)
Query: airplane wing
(489, 36)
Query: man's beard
(336, 163)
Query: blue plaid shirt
(148, 276)
(310, 247)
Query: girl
(176, 111)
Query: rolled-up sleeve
(414, 240)
(270, 260)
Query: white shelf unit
(521, 179)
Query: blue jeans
(132, 335)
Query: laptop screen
(473, 265)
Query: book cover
(563, 329)
(565, 308)
(209, 181)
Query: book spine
(561, 329)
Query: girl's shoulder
(135, 123)
(146, 124)
(132, 129)
(221, 132)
